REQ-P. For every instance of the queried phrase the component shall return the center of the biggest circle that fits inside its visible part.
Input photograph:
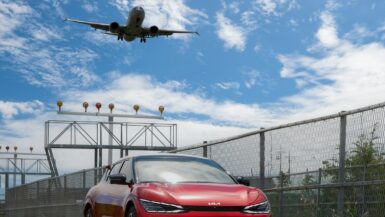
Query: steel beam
(98, 114)
(135, 148)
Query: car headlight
(152, 206)
(259, 208)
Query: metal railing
(327, 166)
(57, 196)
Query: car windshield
(180, 170)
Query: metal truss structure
(93, 135)
(21, 165)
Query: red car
(172, 185)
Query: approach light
(161, 110)
(7, 148)
(15, 148)
(98, 105)
(59, 104)
(111, 106)
(31, 149)
(85, 106)
(136, 108)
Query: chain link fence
(323, 167)
(58, 196)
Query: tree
(365, 162)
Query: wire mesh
(302, 174)
(57, 196)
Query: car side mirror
(119, 179)
(242, 180)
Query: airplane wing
(154, 31)
(101, 26)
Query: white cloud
(32, 55)
(275, 7)
(43, 33)
(327, 34)
(293, 23)
(267, 6)
(248, 19)
(122, 5)
(233, 35)
(90, 7)
(10, 109)
(234, 7)
(252, 78)
(12, 15)
(345, 76)
(54, 67)
(257, 48)
(98, 38)
(139, 89)
(228, 85)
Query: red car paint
(197, 199)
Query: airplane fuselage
(134, 23)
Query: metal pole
(65, 183)
(6, 181)
(262, 160)
(319, 191)
(121, 140)
(341, 171)
(111, 128)
(23, 178)
(204, 151)
(364, 191)
(14, 169)
(96, 158)
(84, 179)
(281, 195)
(101, 148)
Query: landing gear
(120, 37)
(142, 40)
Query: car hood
(199, 194)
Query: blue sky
(256, 63)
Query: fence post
(65, 183)
(6, 181)
(364, 191)
(281, 194)
(84, 179)
(341, 170)
(319, 191)
(262, 159)
(205, 149)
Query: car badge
(214, 203)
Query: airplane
(133, 28)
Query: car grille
(214, 208)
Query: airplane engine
(114, 27)
(154, 30)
